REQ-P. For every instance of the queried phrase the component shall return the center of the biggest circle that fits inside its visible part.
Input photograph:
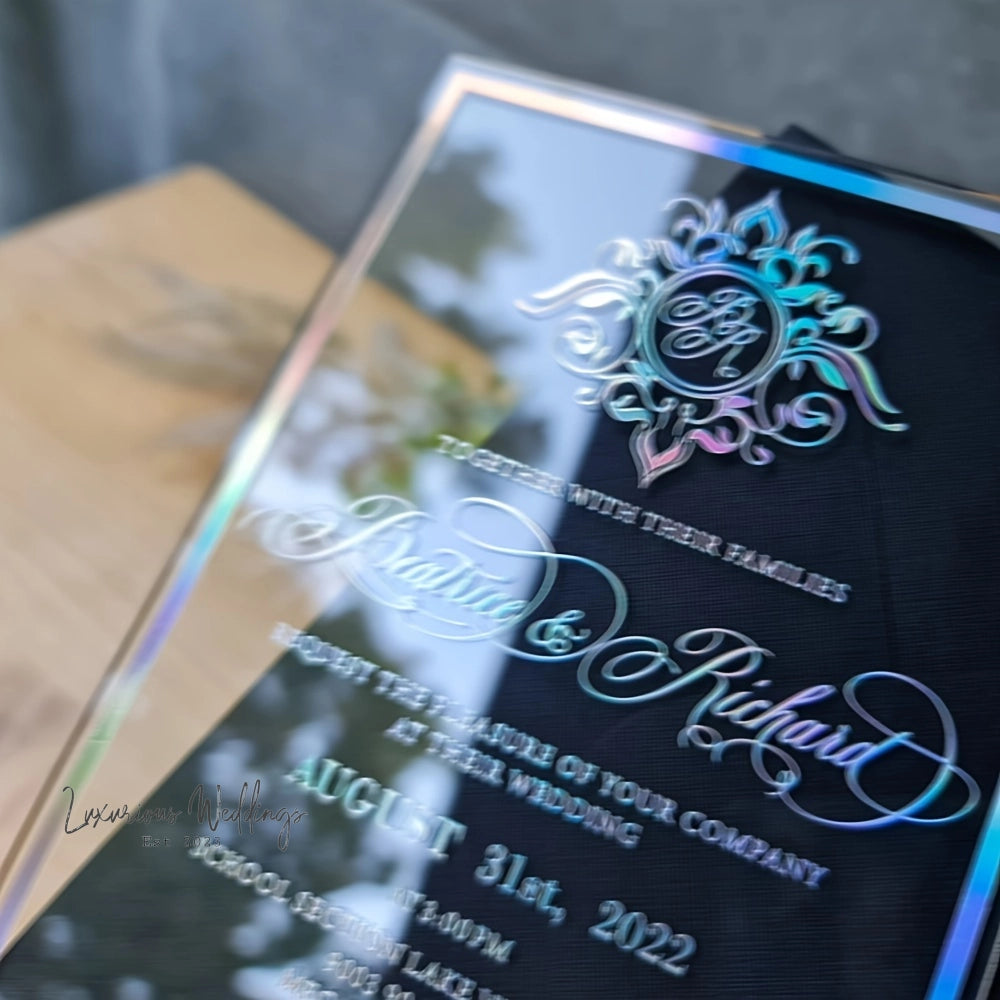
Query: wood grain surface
(135, 331)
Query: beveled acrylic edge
(674, 126)
(461, 77)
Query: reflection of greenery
(450, 220)
(461, 321)
(367, 433)
(157, 915)
(523, 438)
(454, 222)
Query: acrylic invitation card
(602, 581)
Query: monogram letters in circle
(713, 330)
(722, 336)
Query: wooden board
(135, 331)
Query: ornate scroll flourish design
(691, 337)
(778, 739)
(456, 577)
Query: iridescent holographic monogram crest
(721, 335)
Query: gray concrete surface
(308, 102)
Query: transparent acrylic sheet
(430, 333)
